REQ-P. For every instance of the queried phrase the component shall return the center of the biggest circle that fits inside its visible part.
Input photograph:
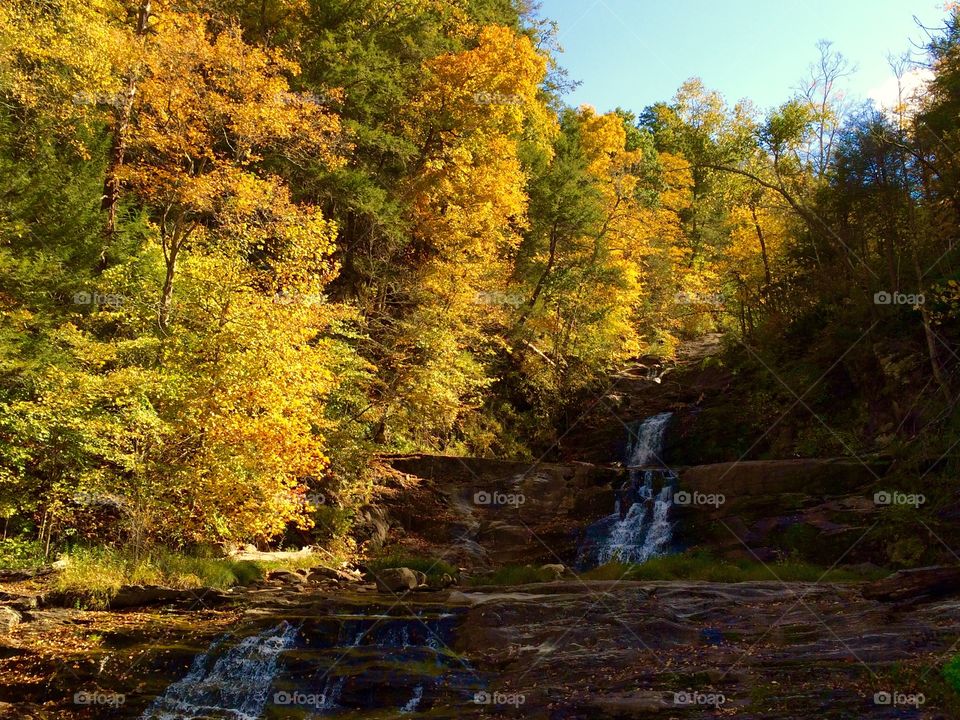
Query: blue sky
(632, 53)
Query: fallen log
(915, 585)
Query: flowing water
(345, 662)
(232, 684)
(639, 527)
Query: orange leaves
(205, 103)
(467, 204)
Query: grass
(951, 673)
(514, 575)
(699, 565)
(431, 567)
(94, 575)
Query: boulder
(555, 569)
(286, 577)
(373, 525)
(20, 602)
(397, 580)
(9, 618)
(440, 583)
(319, 574)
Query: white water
(237, 686)
(645, 445)
(644, 532)
(411, 705)
(331, 693)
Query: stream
(353, 660)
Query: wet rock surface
(564, 649)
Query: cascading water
(414, 701)
(639, 528)
(645, 441)
(324, 664)
(235, 684)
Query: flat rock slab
(703, 650)
(832, 476)
(578, 650)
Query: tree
(209, 111)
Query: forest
(324, 321)
(248, 248)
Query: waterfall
(236, 685)
(639, 528)
(645, 440)
(328, 664)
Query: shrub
(20, 553)
(93, 575)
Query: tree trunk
(171, 242)
(166, 295)
(542, 280)
(932, 350)
(763, 246)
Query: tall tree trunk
(542, 280)
(931, 337)
(166, 295)
(763, 245)
(918, 232)
(172, 242)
